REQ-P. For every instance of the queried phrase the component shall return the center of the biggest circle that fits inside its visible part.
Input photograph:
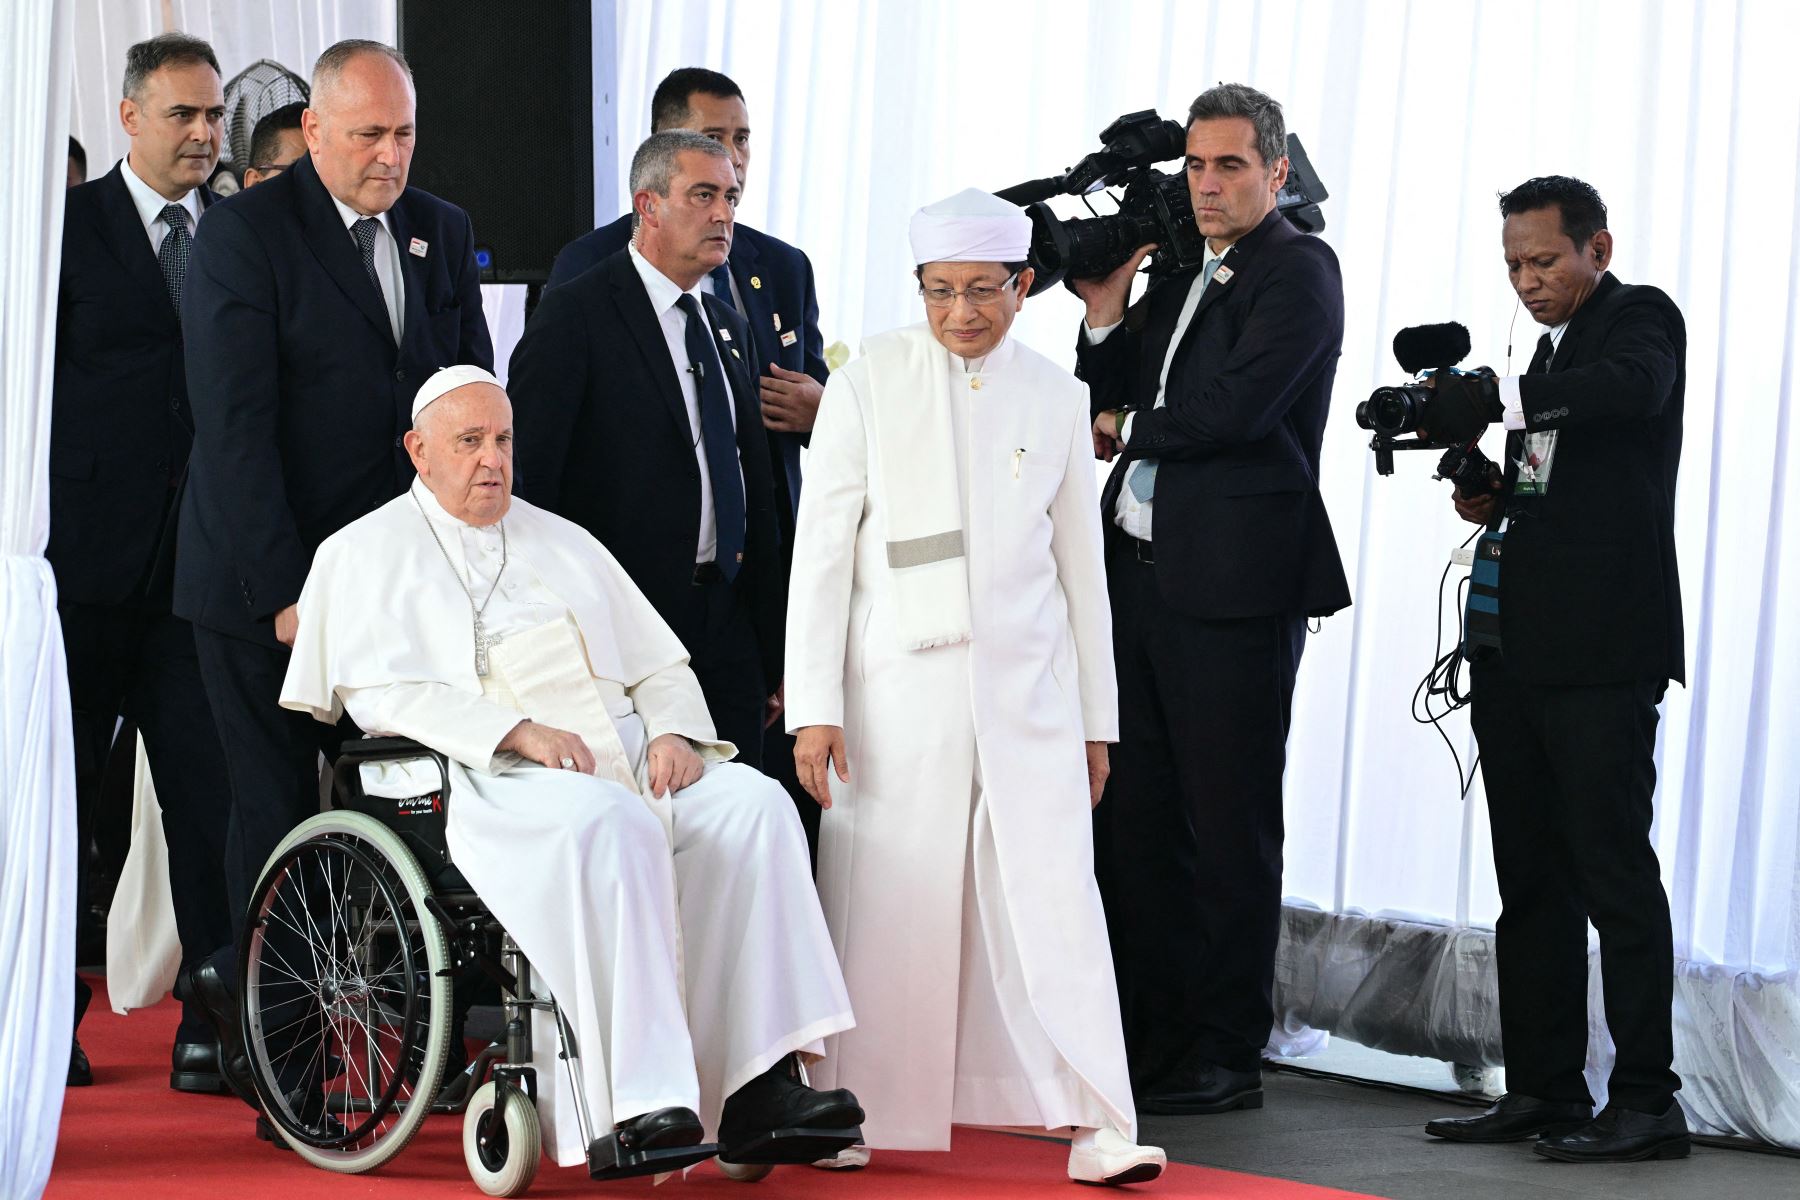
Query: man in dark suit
(636, 418)
(120, 429)
(1213, 390)
(1566, 712)
(326, 295)
(768, 281)
(771, 284)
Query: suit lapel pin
(1222, 275)
(736, 355)
(417, 248)
(756, 282)
(724, 334)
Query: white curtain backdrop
(37, 772)
(1685, 115)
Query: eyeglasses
(270, 169)
(980, 295)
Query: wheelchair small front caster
(745, 1172)
(502, 1150)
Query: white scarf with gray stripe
(909, 392)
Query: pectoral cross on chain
(482, 642)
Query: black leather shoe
(310, 1107)
(777, 1119)
(1622, 1135)
(1514, 1118)
(218, 998)
(194, 1067)
(80, 1073)
(1201, 1089)
(660, 1130)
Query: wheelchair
(359, 931)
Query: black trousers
(139, 663)
(726, 657)
(271, 757)
(1187, 842)
(1570, 774)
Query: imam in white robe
(956, 865)
(681, 936)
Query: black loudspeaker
(506, 127)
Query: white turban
(448, 380)
(971, 226)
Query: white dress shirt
(1510, 401)
(664, 292)
(1129, 513)
(150, 204)
(1539, 450)
(387, 263)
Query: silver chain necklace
(482, 640)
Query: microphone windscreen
(1420, 346)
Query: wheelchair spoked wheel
(502, 1151)
(346, 996)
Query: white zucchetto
(971, 226)
(448, 380)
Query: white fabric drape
(1685, 115)
(292, 32)
(37, 771)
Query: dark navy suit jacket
(604, 440)
(1239, 525)
(120, 427)
(776, 281)
(302, 395)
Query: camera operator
(1566, 713)
(1213, 392)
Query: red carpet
(130, 1136)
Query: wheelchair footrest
(792, 1146)
(607, 1160)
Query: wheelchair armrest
(347, 778)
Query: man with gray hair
(638, 420)
(658, 889)
(1211, 392)
(325, 296)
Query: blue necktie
(1142, 480)
(721, 281)
(720, 436)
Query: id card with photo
(1534, 463)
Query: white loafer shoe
(850, 1158)
(1112, 1160)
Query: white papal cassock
(681, 936)
(956, 865)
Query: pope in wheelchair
(660, 892)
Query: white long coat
(1002, 716)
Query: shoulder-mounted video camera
(1153, 207)
(1392, 412)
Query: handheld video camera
(1154, 206)
(1391, 412)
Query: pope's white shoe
(850, 1158)
(1110, 1158)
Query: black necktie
(1540, 361)
(720, 436)
(364, 229)
(173, 253)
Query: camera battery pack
(1481, 613)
